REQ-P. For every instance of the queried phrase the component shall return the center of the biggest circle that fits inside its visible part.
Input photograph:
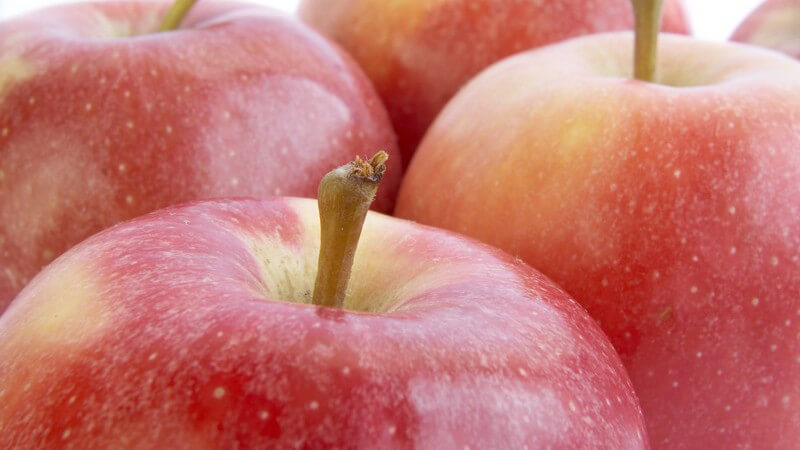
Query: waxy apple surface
(187, 329)
(418, 53)
(671, 211)
(775, 24)
(102, 120)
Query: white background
(711, 19)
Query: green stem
(345, 194)
(647, 15)
(172, 20)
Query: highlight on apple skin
(418, 53)
(774, 24)
(670, 210)
(103, 119)
(190, 328)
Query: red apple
(192, 328)
(670, 210)
(775, 24)
(418, 53)
(103, 119)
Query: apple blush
(232, 324)
(418, 53)
(670, 209)
(104, 118)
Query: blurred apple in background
(103, 119)
(670, 210)
(775, 24)
(191, 328)
(418, 53)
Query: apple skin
(97, 127)
(418, 53)
(774, 24)
(669, 211)
(169, 331)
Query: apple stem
(172, 20)
(647, 15)
(345, 195)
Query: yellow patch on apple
(13, 69)
(288, 271)
(64, 308)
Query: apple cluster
(595, 241)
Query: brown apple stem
(647, 15)
(345, 195)
(172, 20)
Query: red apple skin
(168, 332)
(669, 212)
(774, 24)
(418, 53)
(97, 128)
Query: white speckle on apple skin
(219, 392)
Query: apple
(418, 53)
(102, 118)
(196, 327)
(670, 210)
(775, 24)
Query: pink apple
(775, 24)
(103, 119)
(670, 210)
(418, 53)
(191, 328)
